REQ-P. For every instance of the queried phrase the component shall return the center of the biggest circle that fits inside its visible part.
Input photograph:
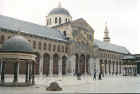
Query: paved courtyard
(109, 84)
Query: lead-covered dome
(18, 44)
(59, 11)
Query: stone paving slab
(109, 84)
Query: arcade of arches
(58, 65)
(110, 67)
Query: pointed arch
(76, 63)
(64, 61)
(82, 64)
(46, 63)
(55, 64)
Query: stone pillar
(60, 66)
(3, 72)
(107, 67)
(51, 66)
(73, 63)
(111, 67)
(33, 77)
(98, 65)
(16, 72)
(27, 73)
(115, 67)
(120, 68)
(41, 65)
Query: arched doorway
(76, 63)
(64, 59)
(55, 64)
(46, 63)
(82, 64)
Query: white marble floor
(109, 84)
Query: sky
(122, 16)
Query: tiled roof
(16, 25)
(110, 47)
(129, 57)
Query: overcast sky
(122, 16)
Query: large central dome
(59, 11)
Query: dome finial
(59, 4)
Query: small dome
(59, 11)
(17, 43)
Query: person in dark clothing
(78, 76)
(100, 76)
(94, 76)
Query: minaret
(106, 34)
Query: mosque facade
(65, 46)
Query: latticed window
(45, 46)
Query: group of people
(99, 76)
(94, 76)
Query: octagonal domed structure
(17, 44)
(61, 11)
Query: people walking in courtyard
(100, 76)
(78, 76)
(94, 76)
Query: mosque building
(63, 47)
